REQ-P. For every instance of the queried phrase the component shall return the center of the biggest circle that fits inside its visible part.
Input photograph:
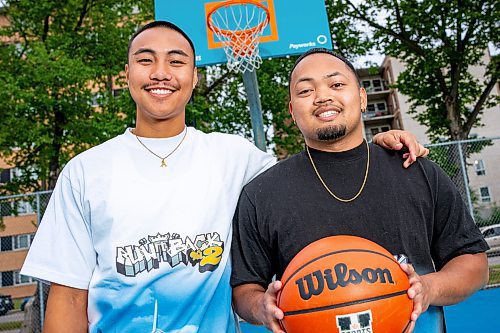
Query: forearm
(458, 279)
(247, 300)
(66, 310)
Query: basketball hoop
(239, 24)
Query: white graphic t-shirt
(150, 243)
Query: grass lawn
(10, 325)
(17, 303)
(494, 274)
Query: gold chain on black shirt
(326, 187)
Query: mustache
(160, 85)
(333, 106)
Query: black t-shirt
(417, 212)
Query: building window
(373, 85)
(485, 194)
(6, 244)
(377, 85)
(7, 279)
(376, 109)
(372, 131)
(22, 279)
(5, 176)
(381, 106)
(479, 167)
(23, 207)
(22, 241)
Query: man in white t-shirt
(137, 232)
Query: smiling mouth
(327, 114)
(160, 91)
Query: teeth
(327, 114)
(161, 91)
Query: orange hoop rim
(245, 32)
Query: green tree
(60, 61)
(439, 42)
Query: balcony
(374, 93)
(377, 118)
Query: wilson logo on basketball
(313, 284)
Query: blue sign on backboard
(295, 26)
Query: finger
(411, 327)
(278, 313)
(388, 140)
(407, 268)
(417, 310)
(275, 327)
(274, 287)
(392, 141)
(408, 161)
(413, 146)
(415, 291)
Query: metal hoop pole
(253, 96)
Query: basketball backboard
(295, 26)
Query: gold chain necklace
(326, 187)
(163, 163)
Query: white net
(239, 25)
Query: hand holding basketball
(419, 292)
(270, 314)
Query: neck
(342, 144)
(160, 129)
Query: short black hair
(321, 50)
(163, 24)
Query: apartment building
(19, 222)
(388, 109)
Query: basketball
(344, 284)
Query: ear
(290, 109)
(363, 98)
(126, 71)
(195, 77)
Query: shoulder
(92, 156)
(278, 175)
(223, 140)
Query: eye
(304, 91)
(177, 62)
(144, 61)
(337, 85)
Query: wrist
(258, 309)
(431, 288)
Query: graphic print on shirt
(170, 249)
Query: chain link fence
(471, 164)
(20, 295)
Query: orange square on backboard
(270, 37)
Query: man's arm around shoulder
(66, 310)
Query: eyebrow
(334, 74)
(327, 76)
(170, 52)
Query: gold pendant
(163, 164)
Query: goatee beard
(331, 133)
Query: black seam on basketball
(409, 322)
(336, 306)
(333, 253)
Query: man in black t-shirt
(342, 185)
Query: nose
(323, 96)
(160, 72)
